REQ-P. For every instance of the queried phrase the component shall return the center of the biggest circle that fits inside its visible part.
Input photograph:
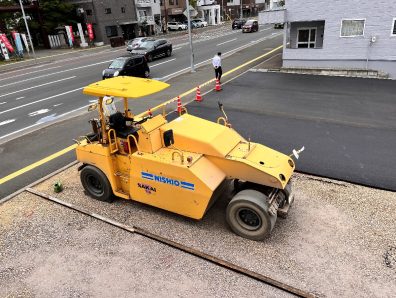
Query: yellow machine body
(187, 176)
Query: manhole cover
(390, 257)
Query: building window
(111, 31)
(177, 2)
(393, 33)
(161, 2)
(107, 10)
(122, 9)
(351, 28)
(142, 13)
(171, 2)
(88, 12)
(306, 37)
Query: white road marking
(54, 73)
(19, 130)
(231, 40)
(38, 123)
(39, 112)
(175, 49)
(169, 76)
(163, 62)
(38, 86)
(18, 98)
(57, 105)
(40, 100)
(1, 103)
(7, 121)
(55, 62)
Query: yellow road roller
(182, 165)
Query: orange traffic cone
(218, 86)
(179, 105)
(198, 96)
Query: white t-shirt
(216, 61)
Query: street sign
(193, 12)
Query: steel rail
(210, 258)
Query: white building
(148, 15)
(208, 10)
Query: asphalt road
(35, 97)
(347, 125)
(52, 104)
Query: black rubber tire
(180, 29)
(96, 184)
(149, 58)
(247, 215)
(286, 191)
(168, 53)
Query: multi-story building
(341, 34)
(172, 10)
(250, 8)
(148, 12)
(110, 18)
(210, 11)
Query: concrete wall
(346, 51)
(272, 16)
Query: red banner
(7, 43)
(71, 33)
(90, 31)
(13, 34)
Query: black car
(238, 23)
(153, 48)
(135, 66)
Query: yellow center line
(64, 151)
(37, 163)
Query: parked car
(176, 26)
(250, 26)
(134, 43)
(200, 23)
(279, 25)
(135, 66)
(238, 23)
(193, 25)
(153, 48)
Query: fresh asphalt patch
(347, 125)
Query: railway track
(204, 256)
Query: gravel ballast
(339, 240)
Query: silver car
(135, 43)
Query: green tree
(55, 13)
(193, 3)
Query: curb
(14, 194)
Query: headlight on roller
(116, 73)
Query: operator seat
(117, 121)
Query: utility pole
(189, 36)
(241, 12)
(166, 17)
(27, 29)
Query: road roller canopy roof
(127, 87)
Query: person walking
(217, 66)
